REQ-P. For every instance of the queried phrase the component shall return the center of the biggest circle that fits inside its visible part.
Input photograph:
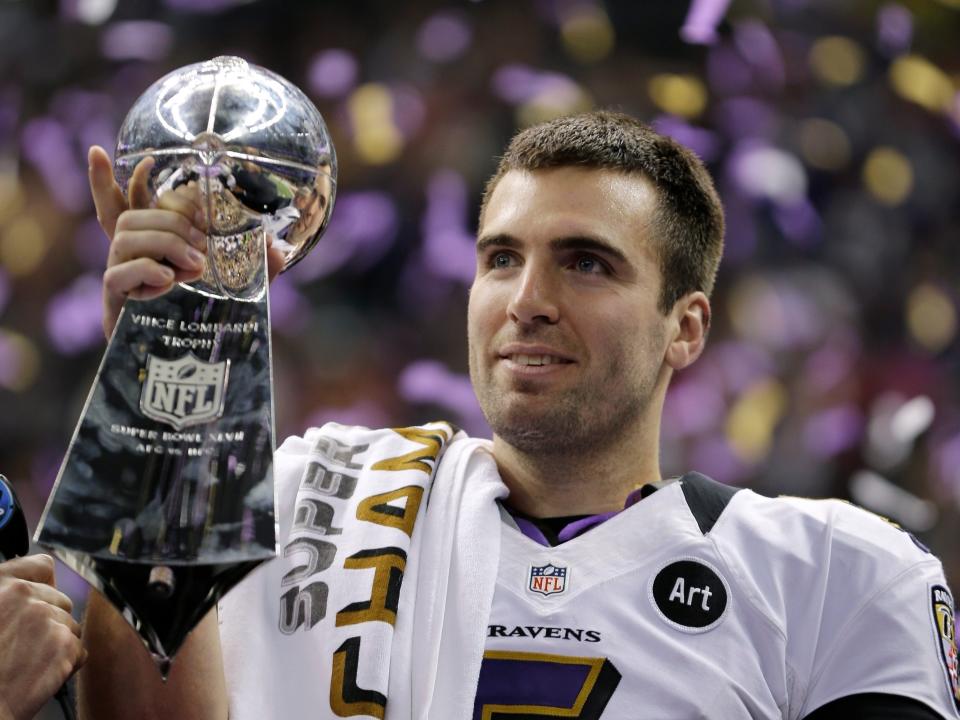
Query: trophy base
(162, 602)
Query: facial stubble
(584, 419)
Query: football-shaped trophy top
(256, 149)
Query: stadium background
(832, 128)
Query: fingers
(62, 617)
(275, 261)
(139, 189)
(151, 250)
(35, 568)
(143, 279)
(156, 233)
(107, 196)
(185, 200)
(140, 279)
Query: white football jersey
(702, 602)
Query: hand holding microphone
(39, 639)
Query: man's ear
(690, 322)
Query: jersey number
(536, 686)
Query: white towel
(455, 558)
(278, 652)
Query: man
(550, 573)
(39, 639)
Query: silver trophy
(165, 498)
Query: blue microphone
(14, 537)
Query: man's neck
(584, 483)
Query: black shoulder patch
(706, 498)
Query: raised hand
(153, 245)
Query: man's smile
(528, 359)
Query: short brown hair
(689, 216)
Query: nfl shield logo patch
(183, 392)
(547, 579)
(945, 622)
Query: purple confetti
(947, 464)
(758, 46)
(75, 316)
(703, 142)
(89, 117)
(408, 109)
(92, 13)
(700, 26)
(288, 308)
(833, 431)
(47, 145)
(692, 407)
(91, 244)
(740, 364)
(747, 117)
(765, 172)
(894, 29)
(799, 222)
(728, 72)
(444, 36)
(448, 243)
(333, 73)
(428, 381)
(831, 364)
(517, 84)
(363, 227)
(713, 455)
(136, 40)
(740, 237)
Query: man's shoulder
(830, 524)
(803, 543)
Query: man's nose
(534, 299)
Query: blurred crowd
(832, 128)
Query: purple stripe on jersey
(583, 524)
(577, 527)
(530, 530)
(524, 682)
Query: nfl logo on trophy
(187, 391)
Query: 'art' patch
(690, 595)
(945, 622)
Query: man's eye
(587, 264)
(501, 260)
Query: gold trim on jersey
(594, 663)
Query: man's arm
(120, 680)
(150, 250)
(154, 243)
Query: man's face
(566, 341)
